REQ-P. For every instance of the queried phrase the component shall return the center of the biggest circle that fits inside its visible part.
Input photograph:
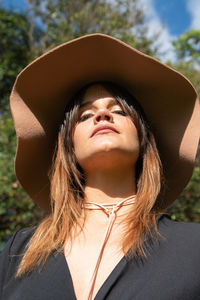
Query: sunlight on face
(106, 147)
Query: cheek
(132, 136)
(131, 130)
(79, 139)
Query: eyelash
(86, 116)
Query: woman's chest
(89, 264)
(170, 271)
(157, 279)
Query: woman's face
(104, 136)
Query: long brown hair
(67, 187)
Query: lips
(104, 128)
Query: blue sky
(174, 15)
(169, 17)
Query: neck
(110, 186)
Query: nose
(103, 114)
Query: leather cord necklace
(111, 211)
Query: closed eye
(120, 112)
(87, 116)
(84, 117)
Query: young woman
(107, 138)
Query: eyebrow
(111, 102)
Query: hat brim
(43, 89)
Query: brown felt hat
(44, 87)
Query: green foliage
(65, 20)
(187, 49)
(14, 47)
(188, 46)
(187, 206)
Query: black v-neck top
(171, 270)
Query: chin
(109, 158)
(106, 145)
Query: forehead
(96, 92)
